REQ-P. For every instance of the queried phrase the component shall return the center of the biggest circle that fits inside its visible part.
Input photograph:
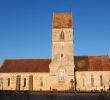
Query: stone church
(64, 71)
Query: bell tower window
(62, 35)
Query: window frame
(61, 75)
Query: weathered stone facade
(93, 80)
(63, 72)
(62, 64)
(24, 81)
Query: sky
(26, 27)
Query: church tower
(62, 61)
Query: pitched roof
(62, 20)
(25, 65)
(92, 63)
(82, 63)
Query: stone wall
(92, 80)
(40, 81)
(85, 81)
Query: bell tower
(62, 61)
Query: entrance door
(31, 82)
(18, 79)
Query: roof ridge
(28, 59)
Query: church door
(18, 79)
(31, 82)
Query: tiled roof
(82, 63)
(62, 20)
(25, 65)
(92, 63)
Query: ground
(28, 95)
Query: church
(63, 71)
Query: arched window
(83, 82)
(41, 81)
(92, 80)
(8, 81)
(101, 80)
(24, 82)
(61, 75)
(62, 35)
(61, 55)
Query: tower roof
(62, 20)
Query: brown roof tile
(92, 63)
(82, 63)
(25, 65)
(62, 20)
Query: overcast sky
(26, 27)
